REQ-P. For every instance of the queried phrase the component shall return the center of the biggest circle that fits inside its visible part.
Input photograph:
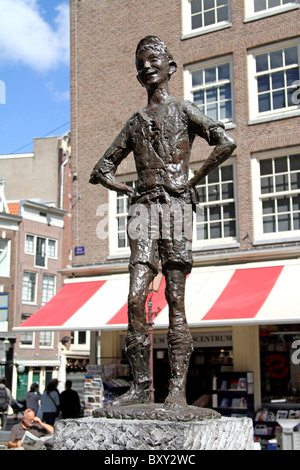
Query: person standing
(33, 397)
(5, 399)
(69, 402)
(50, 402)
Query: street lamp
(154, 287)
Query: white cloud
(25, 37)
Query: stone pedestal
(153, 435)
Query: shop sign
(207, 339)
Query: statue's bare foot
(135, 395)
(176, 398)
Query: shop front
(240, 301)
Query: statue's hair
(155, 43)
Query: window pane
(196, 6)
(197, 77)
(222, 14)
(211, 95)
(29, 244)
(264, 103)
(274, 3)
(277, 80)
(225, 110)
(276, 59)
(269, 225)
(209, 18)
(263, 83)
(40, 256)
(198, 97)
(268, 206)
(295, 163)
(281, 165)
(197, 21)
(283, 204)
(266, 167)
(278, 99)
(260, 5)
(216, 230)
(227, 173)
(215, 213)
(208, 4)
(291, 76)
(213, 177)
(291, 55)
(225, 92)
(213, 193)
(212, 111)
(262, 62)
(282, 183)
(210, 74)
(266, 185)
(284, 223)
(227, 191)
(224, 72)
(229, 229)
(229, 211)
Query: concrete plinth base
(118, 434)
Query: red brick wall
(105, 92)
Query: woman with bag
(50, 402)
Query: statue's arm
(215, 135)
(105, 169)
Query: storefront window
(280, 363)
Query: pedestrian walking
(5, 399)
(50, 402)
(69, 402)
(33, 397)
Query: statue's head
(153, 44)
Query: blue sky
(34, 72)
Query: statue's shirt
(161, 144)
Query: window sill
(273, 117)
(221, 246)
(268, 13)
(205, 31)
(272, 241)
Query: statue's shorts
(160, 229)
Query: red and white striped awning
(215, 296)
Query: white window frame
(43, 287)
(272, 237)
(46, 346)
(75, 345)
(114, 249)
(187, 30)
(30, 333)
(215, 243)
(4, 307)
(6, 251)
(189, 89)
(32, 251)
(251, 15)
(30, 302)
(254, 114)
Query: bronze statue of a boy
(160, 136)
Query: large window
(42, 248)
(4, 257)
(274, 81)
(261, 8)
(209, 86)
(205, 15)
(48, 287)
(278, 196)
(29, 287)
(216, 214)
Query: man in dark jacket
(69, 402)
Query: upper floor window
(200, 16)
(274, 81)
(119, 238)
(262, 8)
(46, 339)
(48, 287)
(42, 248)
(29, 287)
(216, 214)
(4, 311)
(4, 257)
(209, 85)
(277, 196)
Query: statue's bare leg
(179, 338)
